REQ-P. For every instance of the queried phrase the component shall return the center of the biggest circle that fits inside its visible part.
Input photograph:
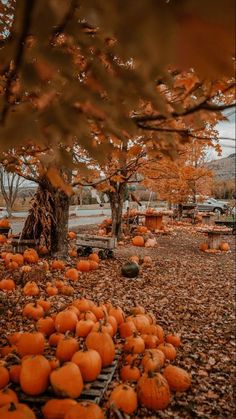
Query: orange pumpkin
(16, 411)
(118, 313)
(177, 378)
(31, 288)
(129, 373)
(33, 311)
(30, 344)
(134, 344)
(72, 274)
(57, 409)
(4, 223)
(124, 398)
(72, 253)
(66, 320)
(85, 410)
(203, 247)
(45, 325)
(127, 329)
(58, 265)
(4, 377)
(89, 362)
(93, 265)
(3, 239)
(18, 258)
(168, 350)
(84, 327)
(34, 375)
(72, 235)
(224, 246)
(174, 340)
(153, 391)
(7, 284)
(103, 344)
(83, 266)
(51, 290)
(66, 348)
(67, 381)
(138, 241)
(153, 360)
(94, 257)
(83, 304)
(31, 256)
(54, 338)
(14, 371)
(46, 305)
(7, 396)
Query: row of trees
(83, 103)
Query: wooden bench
(19, 245)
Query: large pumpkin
(34, 375)
(103, 344)
(85, 410)
(130, 270)
(124, 398)
(57, 409)
(16, 411)
(138, 241)
(153, 391)
(67, 381)
(177, 378)
(89, 363)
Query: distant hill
(224, 168)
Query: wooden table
(153, 221)
(208, 219)
(215, 237)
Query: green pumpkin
(130, 270)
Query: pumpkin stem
(151, 374)
(12, 407)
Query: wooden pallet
(19, 246)
(92, 392)
(99, 242)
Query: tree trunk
(116, 202)
(48, 218)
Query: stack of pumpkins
(72, 346)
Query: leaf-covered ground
(191, 293)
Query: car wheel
(217, 210)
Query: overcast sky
(227, 129)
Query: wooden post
(214, 240)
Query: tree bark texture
(116, 198)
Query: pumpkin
(103, 344)
(14, 371)
(155, 329)
(31, 288)
(138, 310)
(16, 411)
(4, 223)
(85, 410)
(83, 266)
(174, 340)
(34, 375)
(93, 265)
(138, 241)
(57, 409)
(150, 341)
(8, 258)
(83, 304)
(7, 396)
(142, 229)
(4, 376)
(43, 250)
(51, 290)
(18, 258)
(177, 378)
(134, 344)
(89, 362)
(26, 268)
(94, 257)
(88, 315)
(66, 348)
(55, 338)
(67, 290)
(126, 329)
(72, 253)
(46, 305)
(130, 270)
(104, 327)
(150, 243)
(72, 274)
(66, 320)
(131, 359)
(129, 373)
(99, 311)
(7, 284)
(140, 321)
(14, 337)
(67, 381)
(124, 398)
(54, 363)
(84, 327)
(118, 313)
(30, 344)
(224, 246)
(31, 256)
(112, 320)
(45, 325)
(153, 360)
(12, 265)
(3, 239)
(33, 311)
(203, 247)
(168, 350)
(58, 265)
(72, 235)
(134, 258)
(153, 391)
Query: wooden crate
(99, 242)
(153, 221)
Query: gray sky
(227, 129)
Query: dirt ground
(191, 293)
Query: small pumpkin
(84, 327)
(103, 344)
(14, 371)
(54, 338)
(7, 284)
(33, 311)
(89, 362)
(31, 256)
(153, 360)
(45, 325)
(83, 266)
(124, 398)
(129, 373)
(16, 411)
(127, 329)
(177, 378)
(168, 350)
(93, 265)
(224, 247)
(31, 288)
(51, 290)
(72, 235)
(118, 313)
(174, 340)
(138, 241)
(85, 410)
(30, 344)
(66, 348)
(67, 381)
(7, 396)
(34, 375)
(57, 409)
(66, 321)
(134, 344)
(153, 391)
(94, 257)
(4, 376)
(58, 265)
(72, 274)
(203, 247)
(130, 270)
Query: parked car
(213, 205)
(3, 212)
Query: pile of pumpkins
(70, 348)
(223, 247)
(141, 242)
